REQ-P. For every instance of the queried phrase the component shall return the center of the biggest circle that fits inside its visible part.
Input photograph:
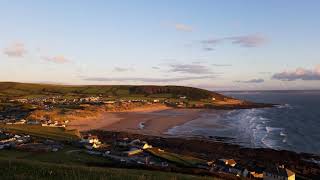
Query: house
(109, 102)
(278, 173)
(91, 142)
(239, 171)
(256, 171)
(229, 162)
(22, 100)
(22, 121)
(33, 122)
(91, 139)
(156, 100)
(140, 144)
(132, 152)
(213, 99)
(7, 140)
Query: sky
(211, 44)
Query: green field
(66, 164)
(26, 90)
(54, 133)
(182, 160)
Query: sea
(292, 125)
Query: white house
(278, 173)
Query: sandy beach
(152, 123)
(153, 120)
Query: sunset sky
(217, 45)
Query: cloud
(208, 49)
(59, 59)
(15, 50)
(148, 80)
(194, 68)
(252, 81)
(254, 40)
(183, 27)
(265, 72)
(119, 69)
(221, 65)
(155, 67)
(208, 45)
(212, 41)
(214, 86)
(299, 74)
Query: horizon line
(226, 90)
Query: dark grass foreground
(24, 169)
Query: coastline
(303, 164)
(154, 120)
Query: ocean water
(294, 125)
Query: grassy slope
(54, 133)
(177, 158)
(27, 90)
(64, 165)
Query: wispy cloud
(252, 40)
(120, 69)
(221, 65)
(265, 72)
(194, 68)
(59, 59)
(15, 50)
(251, 81)
(155, 67)
(208, 49)
(147, 80)
(183, 27)
(299, 74)
(214, 86)
(212, 41)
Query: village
(15, 110)
(135, 153)
(126, 152)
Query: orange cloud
(15, 50)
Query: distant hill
(29, 89)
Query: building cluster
(135, 153)
(126, 152)
(8, 140)
(58, 100)
(44, 123)
(271, 172)
(50, 123)
(27, 143)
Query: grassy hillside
(26, 89)
(67, 165)
(182, 160)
